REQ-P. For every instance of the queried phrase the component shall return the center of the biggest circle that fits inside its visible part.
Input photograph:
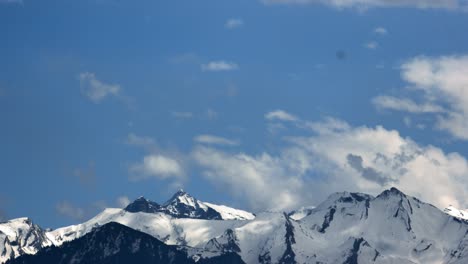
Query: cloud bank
(336, 156)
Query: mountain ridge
(347, 227)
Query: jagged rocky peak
(143, 205)
(184, 205)
(20, 236)
(345, 199)
(181, 197)
(392, 192)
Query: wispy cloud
(94, 89)
(123, 201)
(366, 4)
(381, 31)
(140, 141)
(405, 104)
(67, 209)
(280, 115)
(86, 176)
(233, 23)
(182, 115)
(11, 2)
(217, 66)
(372, 45)
(215, 140)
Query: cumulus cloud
(233, 23)
(94, 89)
(67, 209)
(217, 66)
(336, 156)
(215, 140)
(442, 84)
(280, 115)
(157, 166)
(369, 173)
(365, 4)
(369, 159)
(263, 181)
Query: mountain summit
(183, 205)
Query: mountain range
(346, 228)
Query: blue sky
(262, 105)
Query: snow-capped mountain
(346, 228)
(183, 205)
(21, 236)
(116, 243)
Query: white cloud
(67, 209)
(263, 181)
(372, 45)
(405, 104)
(280, 115)
(233, 23)
(442, 84)
(365, 4)
(381, 31)
(123, 201)
(157, 166)
(140, 141)
(94, 89)
(336, 156)
(216, 66)
(215, 140)
(423, 171)
(11, 1)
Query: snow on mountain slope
(462, 214)
(228, 213)
(172, 231)
(183, 205)
(399, 228)
(345, 228)
(20, 236)
(301, 212)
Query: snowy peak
(183, 205)
(181, 197)
(143, 205)
(21, 236)
(392, 192)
